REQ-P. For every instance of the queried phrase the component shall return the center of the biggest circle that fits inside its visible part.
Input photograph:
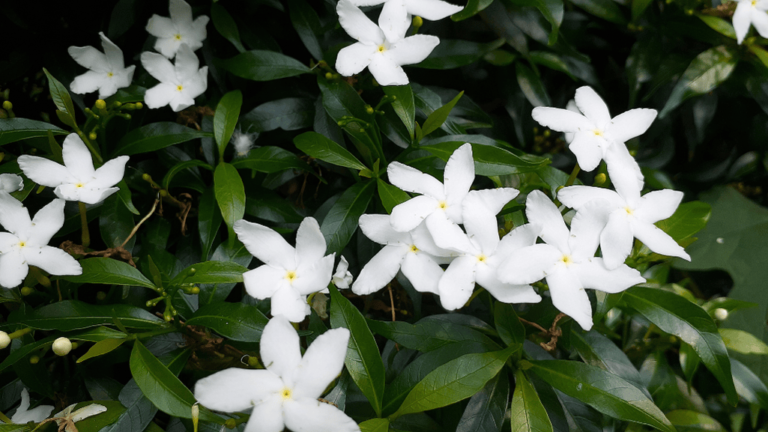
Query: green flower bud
(328, 75)
(26, 291)
(7, 105)
(417, 21)
(5, 340)
(62, 346)
(146, 177)
(100, 104)
(600, 179)
(138, 105)
(101, 296)
(92, 136)
(34, 359)
(230, 423)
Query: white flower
(566, 260)
(24, 415)
(11, 183)
(180, 83)
(284, 395)
(76, 180)
(395, 15)
(411, 252)
(179, 29)
(594, 131)
(750, 12)
(480, 261)
(439, 204)
(107, 71)
(342, 278)
(26, 243)
(382, 56)
(243, 142)
(67, 418)
(288, 275)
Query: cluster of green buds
(100, 114)
(166, 295)
(545, 142)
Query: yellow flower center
(414, 249)
(381, 48)
(629, 211)
(79, 185)
(22, 244)
(110, 74)
(567, 260)
(291, 276)
(598, 132)
(754, 2)
(482, 258)
(443, 205)
(178, 36)
(179, 87)
(286, 393)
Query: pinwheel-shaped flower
(179, 84)
(26, 242)
(76, 180)
(288, 275)
(383, 56)
(413, 253)
(394, 18)
(179, 29)
(480, 261)
(566, 260)
(284, 395)
(594, 131)
(107, 71)
(750, 12)
(342, 278)
(25, 415)
(11, 183)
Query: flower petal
(505, 293)
(113, 53)
(266, 244)
(586, 147)
(616, 239)
(314, 276)
(187, 65)
(658, 205)
(593, 107)
(25, 415)
(322, 362)
(541, 211)
(181, 12)
(310, 243)
(479, 210)
(657, 240)
(380, 270)
(159, 67)
(413, 49)
(14, 217)
(394, 21)
(760, 22)
(86, 195)
(13, 269)
(625, 173)
(631, 124)
(288, 302)
(168, 46)
(561, 120)
(459, 176)
(87, 411)
(161, 27)
(47, 222)
(457, 283)
(235, 389)
(586, 227)
(279, 347)
(422, 271)
(43, 171)
(11, 183)
(181, 102)
(594, 274)
(111, 172)
(357, 25)
(88, 82)
(89, 57)
(353, 59)
(160, 95)
(529, 264)
(423, 240)
(378, 228)
(77, 158)
(446, 234)
(196, 34)
(408, 215)
(386, 71)
(570, 298)
(263, 281)
(311, 415)
(53, 260)
(410, 179)
(742, 18)
(432, 10)
(576, 197)
(267, 416)
(520, 237)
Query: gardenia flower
(342, 278)
(288, 275)
(480, 261)
(285, 394)
(179, 84)
(383, 56)
(594, 130)
(179, 29)
(76, 180)
(26, 242)
(107, 71)
(24, 415)
(566, 260)
(394, 18)
(750, 12)
(11, 183)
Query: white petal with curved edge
(506, 293)
(367, 2)
(187, 64)
(625, 173)
(394, 20)
(181, 12)
(113, 53)
(90, 58)
(459, 175)
(408, 215)
(263, 281)
(479, 210)
(279, 347)
(432, 10)
(11, 183)
(570, 298)
(53, 260)
(111, 172)
(380, 270)
(43, 171)
(410, 179)
(658, 205)
(8, 242)
(311, 415)
(576, 197)
(160, 95)
(593, 274)
(446, 234)
(181, 102)
(197, 33)
(760, 21)
(631, 124)
(353, 59)
(561, 120)
(322, 362)
(108, 88)
(88, 82)
(658, 241)
(413, 49)
(518, 238)
(159, 67)
(266, 244)
(13, 269)
(47, 222)
(314, 276)
(423, 240)
(310, 243)
(378, 228)
(541, 211)
(616, 239)
(77, 158)
(25, 415)
(14, 217)
(197, 85)
(168, 46)
(236, 389)
(529, 264)
(86, 195)
(386, 71)
(587, 149)
(457, 283)
(593, 107)
(422, 271)
(161, 27)
(288, 302)
(742, 18)
(267, 416)
(357, 25)
(586, 227)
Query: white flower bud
(62, 346)
(721, 314)
(4, 339)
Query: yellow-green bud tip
(163, 193)
(146, 177)
(100, 104)
(600, 179)
(92, 136)
(195, 290)
(230, 423)
(7, 105)
(328, 75)
(62, 346)
(5, 340)
(418, 21)
(138, 105)
(34, 359)
(369, 109)
(26, 291)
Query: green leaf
(601, 390)
(438, 117)
(429, 335)
(390, 195)
(404, 105)
(226, 25)
(743, 342)
(71, 315)
(307, 25)
(598, 350)
(454, 381)
(707, 71)
(688, 321)
(688, 219)
(211, 272)
(719, 25)
(320, 147)
(97, 334)
(638, 7)
(491, 161)
(235, 321)
(258, 65)
(286, 114)
(100, 348)
(225, 119)
(528, 413)
(486, 409)
(124, 194)
(107, 271)
(748, 385)
(269, 159)
(181, 166)
(208, 222)
(689, 362)
(375, 425)
(116, 223)
(552, 11)
(472, 8)
(342, 219)
(25, 350)
(531, 85)
(230, 195)
(61, 97)
(17, 129)
(605, 9)
(162, 388)
(452, 53)
(156, 136)
(363, 360)
(511, 330)
(691, 421)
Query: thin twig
(136, 228)
(391, 301)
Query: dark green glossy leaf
(492, 161)
(531, 85)
(428, 335)
(25, 350)
(687, 220)
(307, 25)
(71, 315)
(181, 166)
(342, 219)
(17, 129)
(438, 117)
(452, 53)
(748, 385)
(60, 96)
(260, 65)
(552, 10)
(226, 26)
(320, 147)
(403, 105)
(211, 272)
(528, 413)
(605, 9)
(230, 194)
(124, 194)
(286, 114)
(225, 119)
(97, 334)
(598, 350)
(511, 330)
(691, 421)
(156, 136)
(100, 348)
(208, 221)
(235, 321)
(486, 409)
(689, 362)
(390, 195)
(271, 159)
(719, 25)
(116, 223)
(472, 8)
(108, 271)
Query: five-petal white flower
(285, 394)
(11, 183)
(594, 130)
(107, 71)
(180, 83)
(395, 15)
(750, 12)
(25, 415)
(76, 180)
(289, 274)
(342, 278)
(566, 260)
(179, 29)
(383, 56)
(26, 242)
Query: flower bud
(7, 105)
(100, 104)
(417, 21)
(195, 416)
(62, 346)
(146, 177)
(26, 291)
(721, 314)
(328, 75)
(369, 109)
(34, 359)
(138, 105)
(92, 136)
(600, 179)
(101, 296)
(4, 339)
(230, 423)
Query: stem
(136, 228)
(574, 173)
(5, 418)
(86, 238)
(40, 277)
(475, 294)
(90, 146)
(20, 333)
